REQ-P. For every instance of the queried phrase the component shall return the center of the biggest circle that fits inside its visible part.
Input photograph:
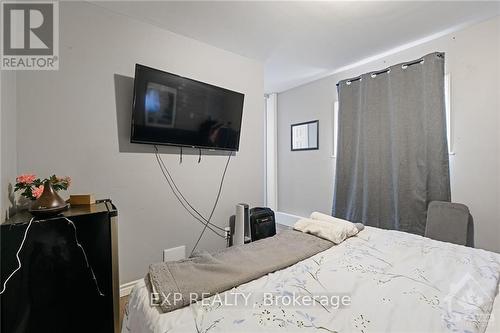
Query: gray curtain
(392, 153)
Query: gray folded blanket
(178, 283)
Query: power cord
(171, 182)
(85, 257)
(202, 221)
(182, 199)
(17, 257)
(215, 204)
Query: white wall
(8, 148)
(305, 179)
(75, 122)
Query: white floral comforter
(396, 282)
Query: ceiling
(301, 41)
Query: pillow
(334, 232)
(351, 228)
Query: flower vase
(49, 203)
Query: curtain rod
(387, 70)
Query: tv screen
(174, 110)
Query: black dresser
(55, 290)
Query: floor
(123, 304)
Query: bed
(395, 281)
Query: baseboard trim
(126, 288)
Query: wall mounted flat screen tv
(173, 110)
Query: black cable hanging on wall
(215, 204)
(183, 201)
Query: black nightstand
(54, 290)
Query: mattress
(494, 322)
(390, 281)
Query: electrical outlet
(174, 253)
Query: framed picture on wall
(304, 136)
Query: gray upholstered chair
(450, 222)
